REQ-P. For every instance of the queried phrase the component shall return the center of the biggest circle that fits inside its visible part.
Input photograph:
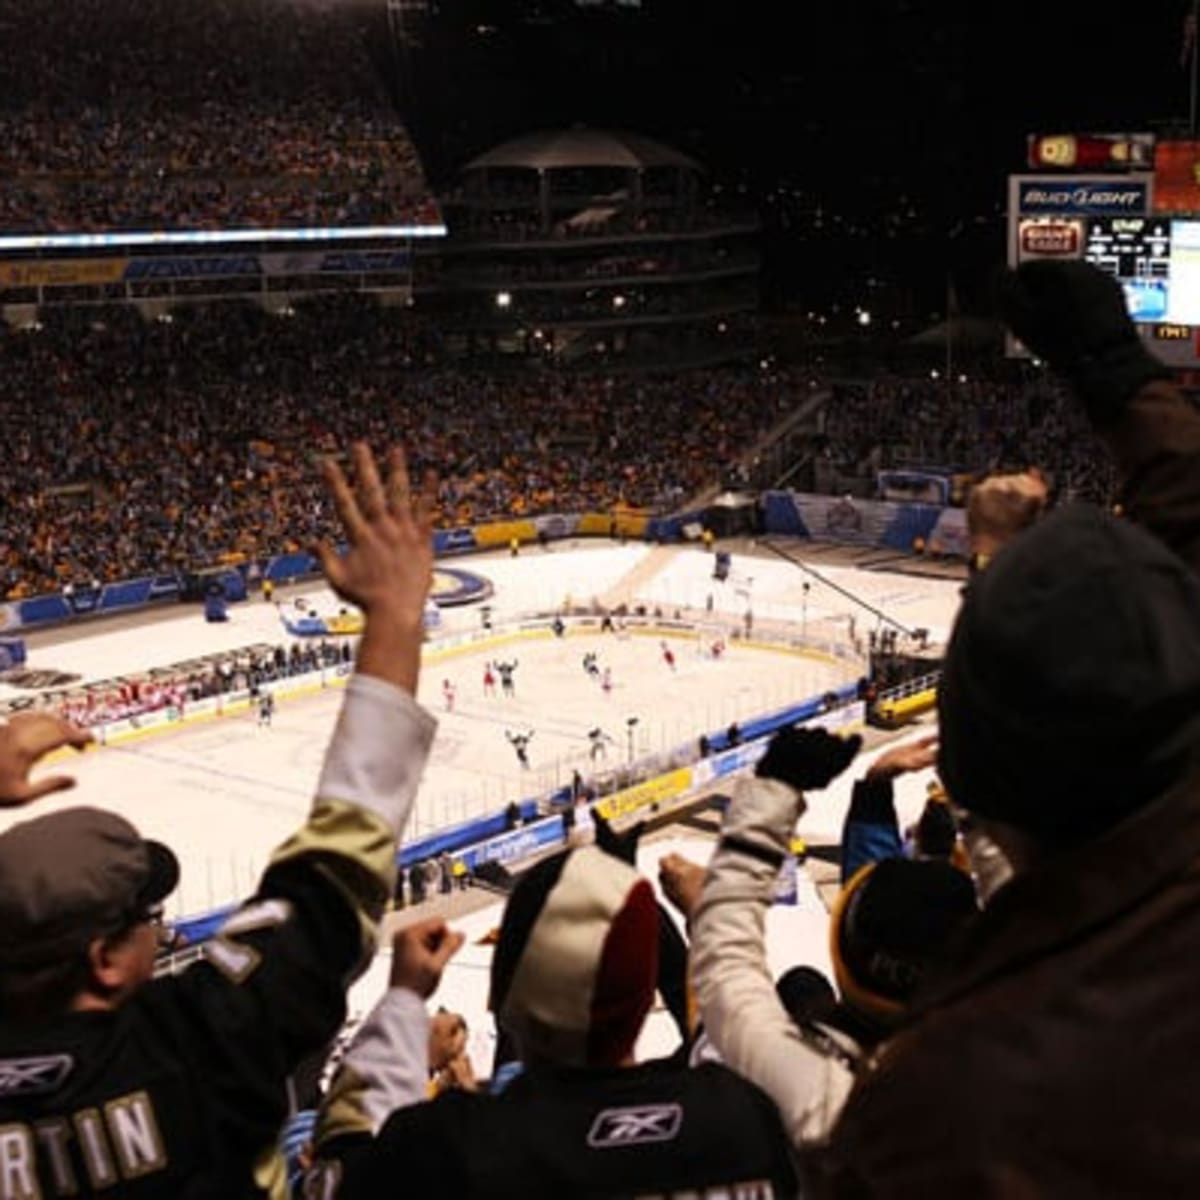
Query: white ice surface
(223, 794)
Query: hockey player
(668, 655)
(489, 680)
(449, 692)
(606, 681)
(520, 743)
(591, 667)
(599, 743)
(506, 670)
(266, 708)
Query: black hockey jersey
(655, 1130)
(181, 1091)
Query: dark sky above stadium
(874, 135)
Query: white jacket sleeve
(807, 1074)
(386, 1067)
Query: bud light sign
(1095, 197)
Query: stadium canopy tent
(573, 148)
(627, 156)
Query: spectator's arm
(386, 1067)
(272, 984)
(387, 1064)
(1155, 441)
(804, 1075)
(870, 832)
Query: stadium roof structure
(551, 150)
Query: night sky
(873, 137)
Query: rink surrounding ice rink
(224, 793)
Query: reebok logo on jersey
(635, 1126)
(34, 1076)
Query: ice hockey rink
(223, 793)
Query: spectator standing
(580, 1118)
(177, 1085)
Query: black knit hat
(893, 921)
(1071, 690)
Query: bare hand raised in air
(27, 738)
(388, 564)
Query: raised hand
(387, 568)
(388, 564)
(27, 738)
(420, 952)
(902, 760)
(807, 758)
(1001, 506)
(682, 882)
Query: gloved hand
(1073, 315)
(807, 758)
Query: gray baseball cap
(73, 875)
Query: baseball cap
(73, 875)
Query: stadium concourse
(224, 791)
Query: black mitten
(807, 758)
(1073, 315)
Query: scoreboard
(1119, 201)
(1137, 252)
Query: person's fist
(1001, 506)
(1064, 311)
(420, 952)
(807, 758)
(1073, 315)
(682, 882)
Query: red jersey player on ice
(489, 680)
(449, 691)
(668, 655)
(606, 681)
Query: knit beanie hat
(574, 971)
(892, 922)
(1070, 695)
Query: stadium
(706, 706)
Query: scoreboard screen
(1137, 252)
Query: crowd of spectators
(175, 688)
(1017, 416)
(1011, 1010)
(139, 448)
(123, 115)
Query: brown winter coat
(1063, 1058)
(1060, 1057)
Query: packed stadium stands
(192, 441)
(137, 116)
(196, 439)
(1011, 417)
